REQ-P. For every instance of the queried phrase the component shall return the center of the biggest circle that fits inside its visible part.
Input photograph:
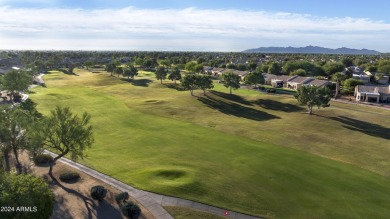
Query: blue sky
(192, 25)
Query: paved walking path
(152, 201)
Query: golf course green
(251, 152)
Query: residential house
(276, 80)
(368, 93)
(298, 81)
(208, 70)
(363, 77)
(242, 74)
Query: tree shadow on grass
(231, 97)
(364, 127)
(236, 109)
(138, 82)
(103, 209)
(174, 86)
(277, 106)
(67, 72)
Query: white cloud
(182, 29)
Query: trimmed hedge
(69, 176)
(98, 192)
(131, 210)
(43, 159)
(121, 197)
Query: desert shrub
(43, 159)
(69, 176)
(98, 192)
(121, 197)
(131, 210)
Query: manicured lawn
(254, 153)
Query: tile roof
(374, 89)
(318, 83)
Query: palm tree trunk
(337, 89)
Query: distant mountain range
(313, 50)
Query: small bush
(98, 192)
(271, 90)
(121, 197)
(69, 176)
(43, 159)
(131, 210)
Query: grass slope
(225, 150)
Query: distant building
(293, 82)
(376, 94)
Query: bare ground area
(73, 200)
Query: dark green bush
(69, 176)
(25, 190)
(43, 159)
(98, 192)
(271, 90)
(121, 197)
(131, 210)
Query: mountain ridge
(313, 50)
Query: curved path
(152, 201)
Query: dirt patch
(73, 200)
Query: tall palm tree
(338, 77)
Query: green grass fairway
(254, 153)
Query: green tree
(384, 66)
(204, 82)
(338, 77)
(254, 78)
(161, 73)
(384, 69)
(313, 96)
(300, 72)
(66, 133)
(28, 191)
(88, 64)
(165, 63)
(16, 81)
(174, 75)
(332, 67)
(351, 83)
(198, 68)
(190, 66)
(71, 67)
(118, 71)
(130, 72)
(110, 68)
(189, 82)
(14, 130)
(274, 68)
(231, 80)
(347, 62)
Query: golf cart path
(152, 201)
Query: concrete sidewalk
(152, 201)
